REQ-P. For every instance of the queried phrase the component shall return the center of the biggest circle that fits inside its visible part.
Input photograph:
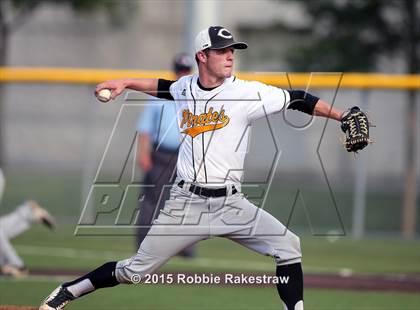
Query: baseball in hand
(104, 95)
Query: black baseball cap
(182, 62)
(216, 37)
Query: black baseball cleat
(57, 300)
(41, 215)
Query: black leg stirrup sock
(292, 291)
(103, 276)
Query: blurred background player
(12, 225)
(158, 144)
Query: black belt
(208, 192)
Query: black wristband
(302, 101)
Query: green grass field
(38, 246)
(61, 193)
(172, 297)
(62, 250)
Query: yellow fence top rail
(286, 80)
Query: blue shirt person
(157, 153)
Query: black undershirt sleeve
(302, 101)
(163, 89)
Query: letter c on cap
(224, 33)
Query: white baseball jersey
(215, 126)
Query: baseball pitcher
(214, 109)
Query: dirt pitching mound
(13, 307)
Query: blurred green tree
(352, 35)
(14, 13)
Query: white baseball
(104, 95)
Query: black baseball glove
(355, 125)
